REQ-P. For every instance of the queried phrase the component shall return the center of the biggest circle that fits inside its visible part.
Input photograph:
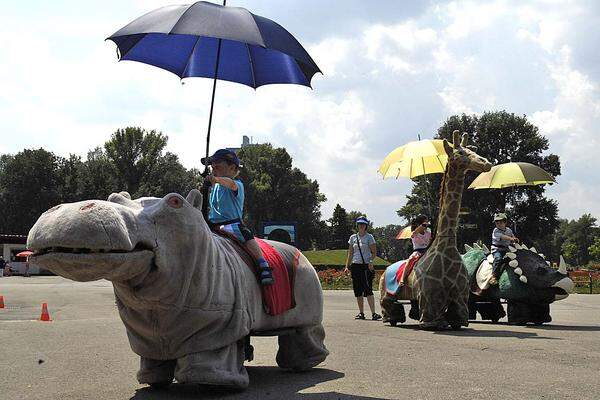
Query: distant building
(10, 246)
(246, 141)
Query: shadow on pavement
(580, 328)
(494, 333)
(265, 383)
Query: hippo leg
(303, 349)
(220, 367)
(156, 373)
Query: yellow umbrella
(405, 233)
(415, 159)
(512, 174)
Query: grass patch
(335, 258)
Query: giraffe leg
(457, 314)
(432, 305)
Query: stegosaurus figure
(528, 284)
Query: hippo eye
(175, 202)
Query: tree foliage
(500, 137)
(277, 191)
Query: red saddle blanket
(283, 260)
(409, 264)
(279, 297)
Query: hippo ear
(194, 197)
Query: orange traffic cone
(45, 316)
(1, 301)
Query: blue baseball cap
(362, 220)
(222, 155)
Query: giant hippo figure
(187, 299)
(528, 284)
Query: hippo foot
(220, 367)
(303, 349)
(156, 373)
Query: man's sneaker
(360, 316)
(375, 316)
(265, 274)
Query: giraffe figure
(441, 279)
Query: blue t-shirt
(226, 204)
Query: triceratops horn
(562, 267)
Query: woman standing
(361, 252)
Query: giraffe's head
(464, 156)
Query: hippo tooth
(518, 271)
(512, 256)
(513, 263)
(533, 250)
(512, 249)
(523, 278)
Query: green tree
(340, 228)
(277, 191)
(135, 155)
(500, 137)
(577, 237)
(29, 185)
(97, 176)
(388, 247)
(594, 249)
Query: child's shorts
(240, 231)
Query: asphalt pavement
(83, 353)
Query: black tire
(393, 322)
(456, 327)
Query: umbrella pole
(205, 188)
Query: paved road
(84, 354)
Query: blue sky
(391, 71)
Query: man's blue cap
(222, 154)
(362, 220)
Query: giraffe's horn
(562, 267)
(456, 139)
(468, 248)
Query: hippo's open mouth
(84, 264)
(82, 250)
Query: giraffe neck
(450, 206)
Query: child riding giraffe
(442, 281)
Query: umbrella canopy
(191, 40)
(405, 233)
(25, 253)
(512, 174)
(415, 159)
